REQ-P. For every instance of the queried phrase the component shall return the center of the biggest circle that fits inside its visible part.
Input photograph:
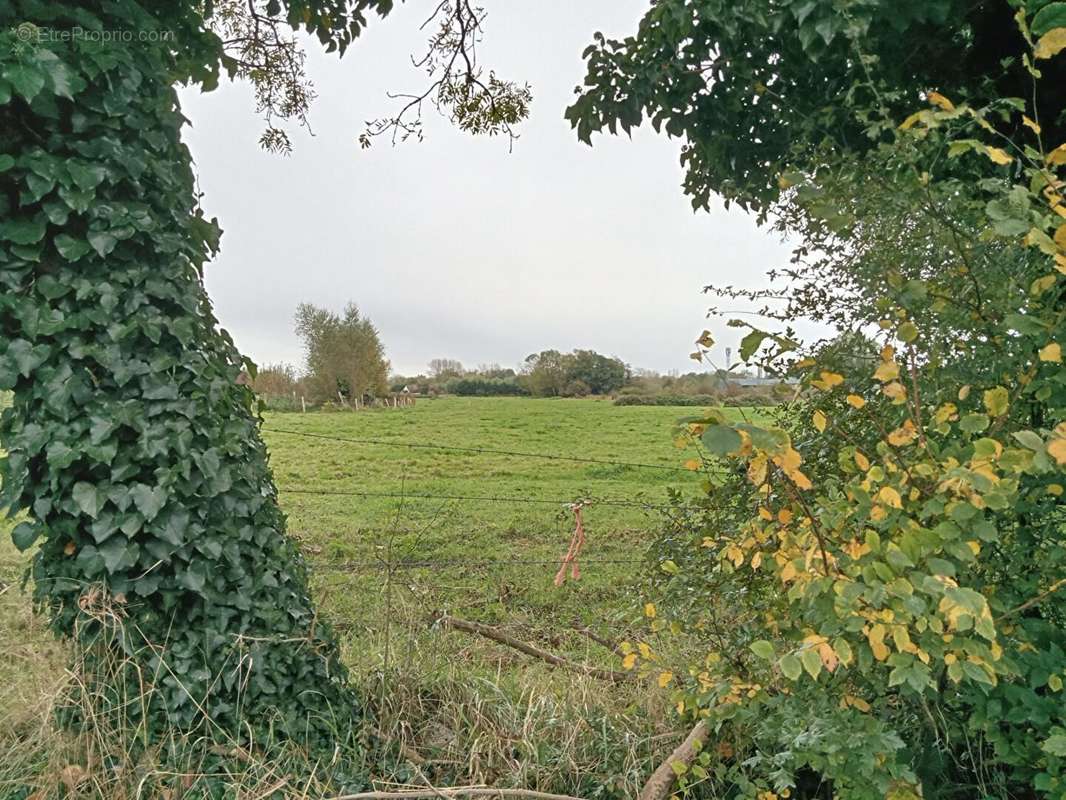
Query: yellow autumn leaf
(629, 661)
(649, 610)
(946, 412)
(1057, 450)
(903, 435)
(757, 469)
(1057, 156)
(784, 516)
(895, 391)
(964, 392)
(890, 497)
(645, 650)
(1060, 236)
(856, 702)
(1051, 352)
(827, 380)
(1050, 44)
(887, 371)
(665, 678)
(1030, 124)
(876, 637)
(937, 99)
(998, 155)
(855, 401)
(692, 464)
(819, 420)
(996, 401)
(1041, 285)
(861, 461)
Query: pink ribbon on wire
(572, 553)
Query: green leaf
(102, 242)
(790, 666)
(1030, 440)
(907, 332)
(6, 162)
(113, 552)
(26, 79)
(70, 248)
(149, 501)
(763, 649)
(750, 343)
(87, 498)
(24, 535)
(86, 176)
(1050, 16)
(23, 231)
(812, 662)
(1055, 745)
(974, 423)
(721, 439)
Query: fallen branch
(445, 792)
(595, 637)
(662, 780)
(524, 647)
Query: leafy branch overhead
(257, 42)
(458, 87)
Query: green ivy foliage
(131, 449)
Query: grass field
(486, 560)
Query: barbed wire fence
(400, 578)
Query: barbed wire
(587, 501)
(483, 451)
(384, 565)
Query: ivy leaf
(24, 535)
(102, 242)
(87, 498)
(27, 80)
(23, 231)
(193, 579)
(86, 176)
(114, 550)
(149, 501)
(70, 248)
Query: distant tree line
(344, 362)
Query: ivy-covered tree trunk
(132, 452)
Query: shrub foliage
(878, 583)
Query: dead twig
(524, 647)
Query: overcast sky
(455, 247)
